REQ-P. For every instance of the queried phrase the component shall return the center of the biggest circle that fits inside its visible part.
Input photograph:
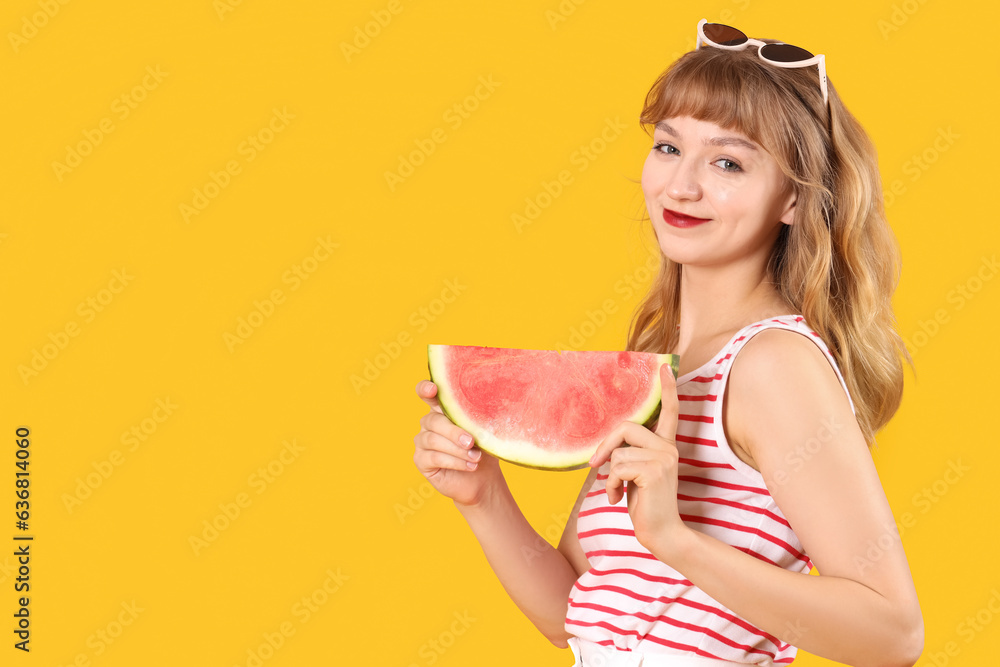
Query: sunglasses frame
(818, 60)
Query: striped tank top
(632, 601)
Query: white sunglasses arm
(819, 61)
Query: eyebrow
(714, 141)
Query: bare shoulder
(793, 415)
(783, 354)
(782, 380)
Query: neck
(720, 300)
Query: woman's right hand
(448, 457)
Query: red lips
(675, 219)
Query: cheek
(727, 194)
(650, 177)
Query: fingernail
(476, 455)
(470, 465)
(466, 440)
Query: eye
(728, 165)
(666, 149)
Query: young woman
(775, 285)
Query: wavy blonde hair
(839, 262)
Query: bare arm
(537, 576)
(569, 543)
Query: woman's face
(714, 197)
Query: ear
(788, 216)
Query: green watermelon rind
(500, 448)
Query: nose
(682, 181)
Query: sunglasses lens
(784, 53)
(723, 34)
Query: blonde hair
(839, 262)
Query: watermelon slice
(545, 409)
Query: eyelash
(735, 165)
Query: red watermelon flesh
(544, 408)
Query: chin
(677, 250)
(673, 255)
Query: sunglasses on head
(781, 55)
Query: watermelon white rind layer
(510, 433)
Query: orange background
(214, 478)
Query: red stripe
(618, 589)
(607, 531)
(693, 518)
(688, 397)
(696, 418)
(665, 642)
(634, 554)
(623, 554)
(704, 464)
(736, 620)
(691, 440)
(717, 376)
(610, 508)
(641, 575)
(691, 627)
(745, 529)
(722, 639)
(619, 631)
(756, 555)
(601, 624)
(723, 485)
(733, 503)
(679, 624)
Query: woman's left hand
(649, 465)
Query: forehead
(686, 127)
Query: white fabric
(589, 654)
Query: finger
(427, 391)
(431, 441)
(439, 423)
(624, 455)
(614, 487)
(618, 471)
(615, 439)
(644, 466)
(429, 460)
(626, 433)
(666, 424)
(626, 470)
